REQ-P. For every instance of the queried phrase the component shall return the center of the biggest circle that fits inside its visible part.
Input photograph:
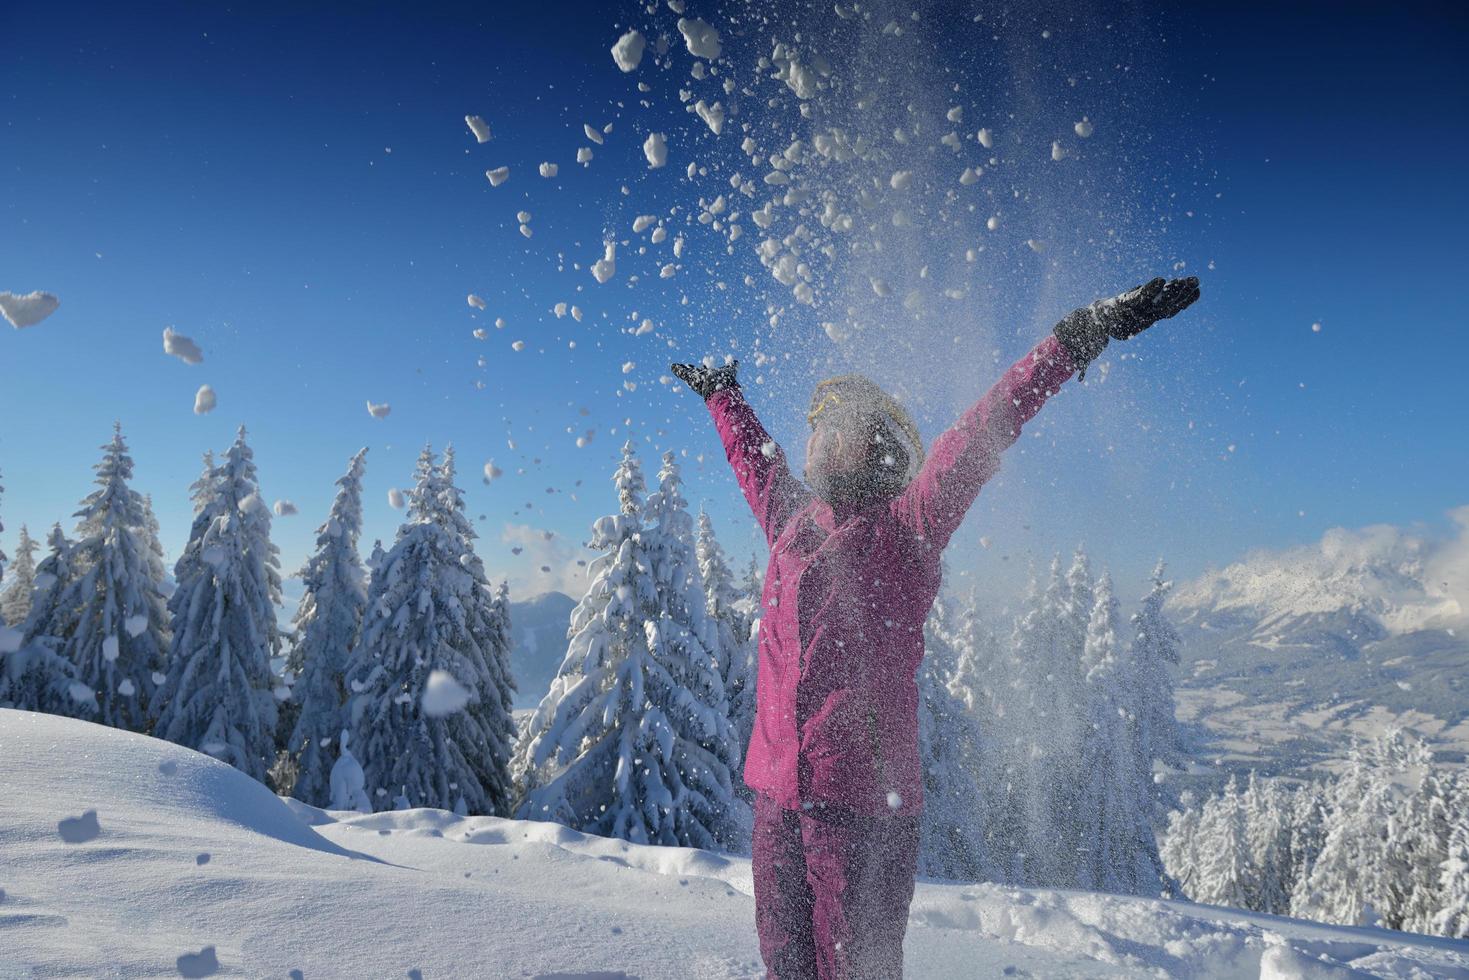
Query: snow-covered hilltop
(188, 867)
(1285, 652)
(1374, 582)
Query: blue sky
(298, 193)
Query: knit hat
(856, 397)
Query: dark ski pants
(832, 890)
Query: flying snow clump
(655, 148)
(628, 51)
(181, 347)
(498, 176)
(204, 400)
(701, 39)
(284, 508)
(395, 498)
(378, 411)
(443, 695)
(479, 127)
(27, 310)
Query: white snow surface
(174, 853)
(29, 309)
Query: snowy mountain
(152, 860)
(1285, 652)
(538, 642)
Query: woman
(854, 569)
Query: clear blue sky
(298, 193)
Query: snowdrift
(192, 869)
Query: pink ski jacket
(847, 592)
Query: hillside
(190, 868)
(1288, 652)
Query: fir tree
(617, 745)
(733, 646)
(34, 675)
(15, 601)
(1120, 851)
(120, 626)
(430, 613)
(1154, 653)
(327, 626)
(1452, 918)
(218, 695)
(952, 831)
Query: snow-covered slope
(538, 642)
(1287, 651)
(193, 869)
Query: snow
(476, 302)
(204, 400)
(606, 267)
(443, 695)
(628, 51)
(181, 347)
(378, 411)
(135, 625)
(498, 176)
(479, 127)
(1058, 152)
(584, 155)
(701, 39)
(395, 498)
(655, 148)
(592, 133)
(336, 893)
(549, 169)
(109, 648)
(986, 138)
(29, 309)
(284, 508)
(713, 115)
(900, 180)
(1084, 129)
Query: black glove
(706, 381)
(1085, 332)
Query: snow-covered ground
(190, 858)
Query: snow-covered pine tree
(732, 643)
(3, 559)
(1352, 881)
(1179, 849)
(1427, 826)
(202, 490)
(34, 675)
(327, 626)
(685, 642)
(1452, 918)
(1224, 872)
(952, 831)
(15, 600)
(218, 695)
(120, 623)
(616, 746)
(1119, 847)
(1267, 807)
(1154, 654)
(430, 613)
(1031, 742)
